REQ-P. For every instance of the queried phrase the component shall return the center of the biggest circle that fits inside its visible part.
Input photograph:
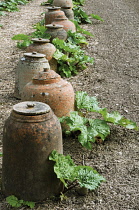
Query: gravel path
(114, 79)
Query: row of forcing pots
(33, 130)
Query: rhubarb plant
(11, 5)
(70, 57)
(90, 130)
(72, 175)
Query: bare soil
(113, 79)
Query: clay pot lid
(31, 108)
(53, 8)
(66, 7)
(46, 77)
(54, 26)
(34, 55)
(40, 40)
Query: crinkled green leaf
(83, 101)
(75, 121)
(128, 124)
(88, 177)
(118, 119)
(78, 123)
(113, 117)
(13, 201)
(59, 55)
(99, 128)
(89, 128)
(90, 104)
(65, 169)
(67, 47)
(76, 38)
(40, 31)
(70, 57)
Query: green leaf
(29, 204)
(90, 104)
(79, 2)
(97, 17)
(99, 128)
(1, 154)
(80, 15)
(88, 129)
(83, 101)
(128, 124)
(76, 38)
(113, 117)
(65, 169)
(40, 31)
(13, 201)
(58, 55)
(70, 57)
(21, 37)
(118, 119)
(88, 177)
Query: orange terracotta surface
(52, 13)
(30, 134)
(50, 88)
(67, 24)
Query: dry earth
(113, 79)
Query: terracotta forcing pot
(68, 12)
(52, 13)
(67, 24)
(56, 31)
(50, 88)
(30, 134)
(27, 67)
(42, 46)
(63, 3)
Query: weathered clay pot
(68, 12)
(63, 3)
(42, 46)
(52, 13)
(67, 24)
(56, 31)
(50, 88)
(27, 67)
(30, 134)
